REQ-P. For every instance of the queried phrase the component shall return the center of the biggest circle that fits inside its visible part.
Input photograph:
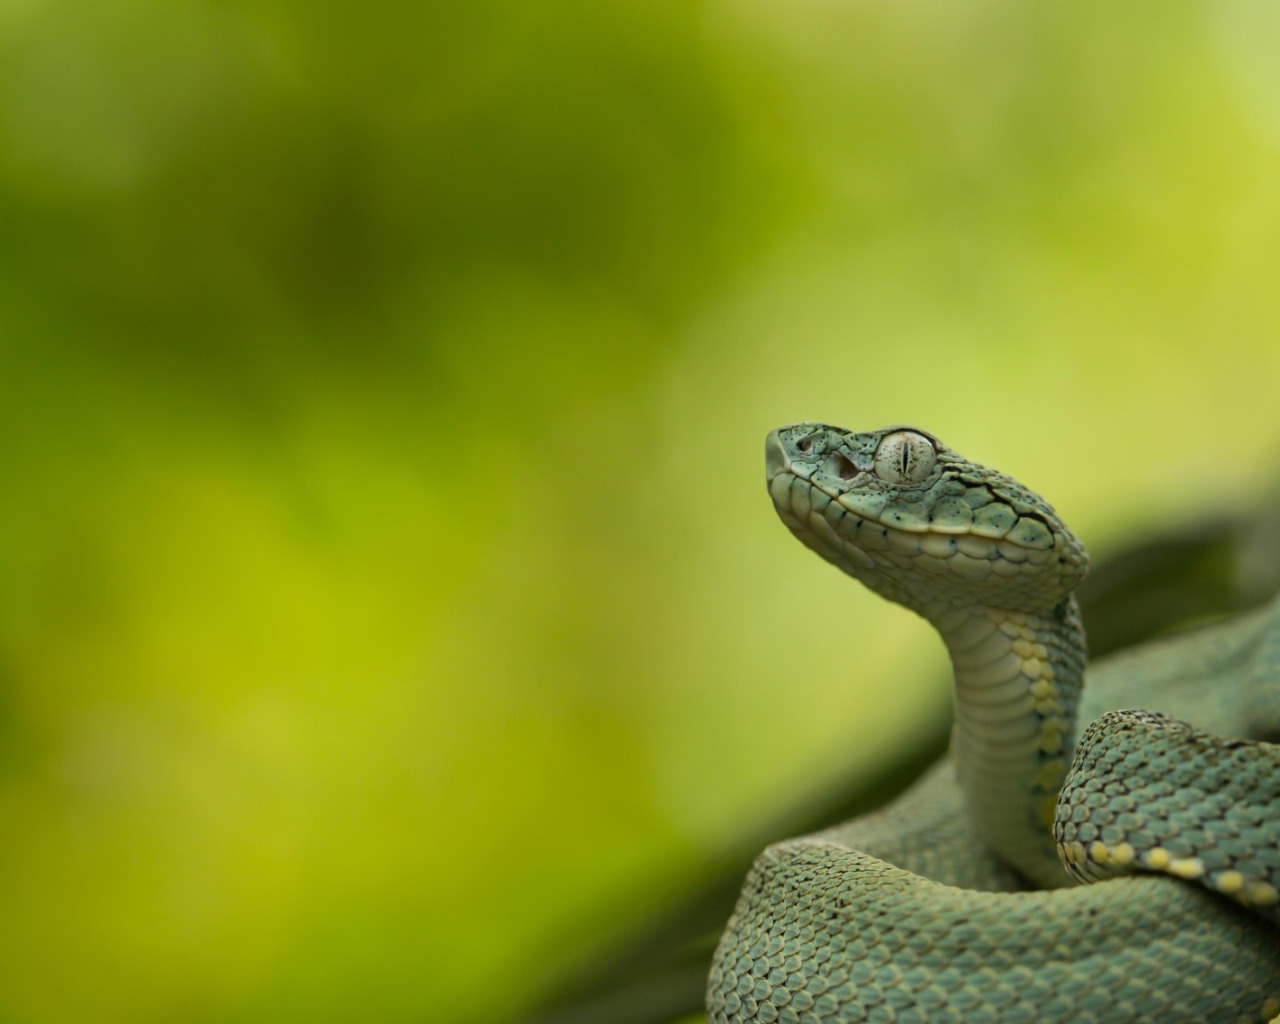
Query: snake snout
(807, 449)
(775, 455)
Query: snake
(1131, 875)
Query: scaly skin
(912, 914)
(1150, 792)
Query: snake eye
(905, 457)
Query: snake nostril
(843, 467)
(804, 444)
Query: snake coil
(955, 904)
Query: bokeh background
(391, 613)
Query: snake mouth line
(940, 542)
(785, 503)
(847, 528)
(838, 541)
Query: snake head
(918, 522)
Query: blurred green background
(391, 611)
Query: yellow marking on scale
(1122, 854)
(1261, 894)
(1230, 882)
(1157, 857)
(1187, 867)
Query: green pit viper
(952, 904)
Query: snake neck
(1018, 678)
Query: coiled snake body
(922, 912)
